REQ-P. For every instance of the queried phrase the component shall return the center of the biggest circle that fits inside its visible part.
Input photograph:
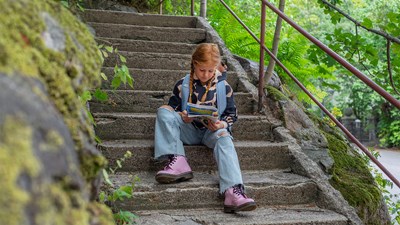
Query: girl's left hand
(214, 126)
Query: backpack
(221, 94)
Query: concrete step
(108, 16)
(156, 79)
(274, 187)
(148, 46)
(138, 101)
(113, 126)
(253, 155)
(148, 33)
(150, 60)
(283, 215)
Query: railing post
(261, 82)
(203, 8)
(192, 8)
(161, 3)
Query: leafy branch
(367, 25)
(110, 195)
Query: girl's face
(205, 71)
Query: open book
(202, 112)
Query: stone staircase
(158, 50)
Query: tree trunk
(277, 34)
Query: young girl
(174, 128)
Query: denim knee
(165, 114)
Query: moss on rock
(66, 71)
(16, 157)
(43, 40)
(351, 176)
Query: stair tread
(150, 143)
(153, 115)
(144, 27)
(282, 215)
(130, 91)
(118, 17)
(251, 178)
(148, 46)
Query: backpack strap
(221, 97)
(185, 91)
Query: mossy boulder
(48, 161)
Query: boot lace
(172, 160)
(239, 190)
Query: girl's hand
(185, 117)
(214, 126)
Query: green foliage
(72, 4)
(389, 128)
(110, 194)
(293, 48)
(384, 185)
(367, 51)
(121, 71)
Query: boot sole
(245, 207)
(169, 178)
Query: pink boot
(236, 200)
(176, 170)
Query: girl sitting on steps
(174, 128)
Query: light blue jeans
(171, 132)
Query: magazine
(202, 112)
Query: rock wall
(48, 162)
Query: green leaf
(130, 81)
(106, 177)
(120, 195)
(103, 75)
(90, 117)
(86, 96)
(119, 164)
(102, 196)
(116, 69)
(105, 54)
(109, 49)
(122, 58)
(65, 3)
(123, 76)
(100, 95)
(127, 188)
(116, 82)
(126, 217)
(97, 139)
(367, 23)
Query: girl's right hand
(185, 117)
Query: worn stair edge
(150, 60)
(112, 126)
(138, 101)
(253, 155)
(283, 215)
(148, 33)
(148, 46)
(109, 16)
(266, 187)
(157, 79)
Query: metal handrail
(339, 59)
